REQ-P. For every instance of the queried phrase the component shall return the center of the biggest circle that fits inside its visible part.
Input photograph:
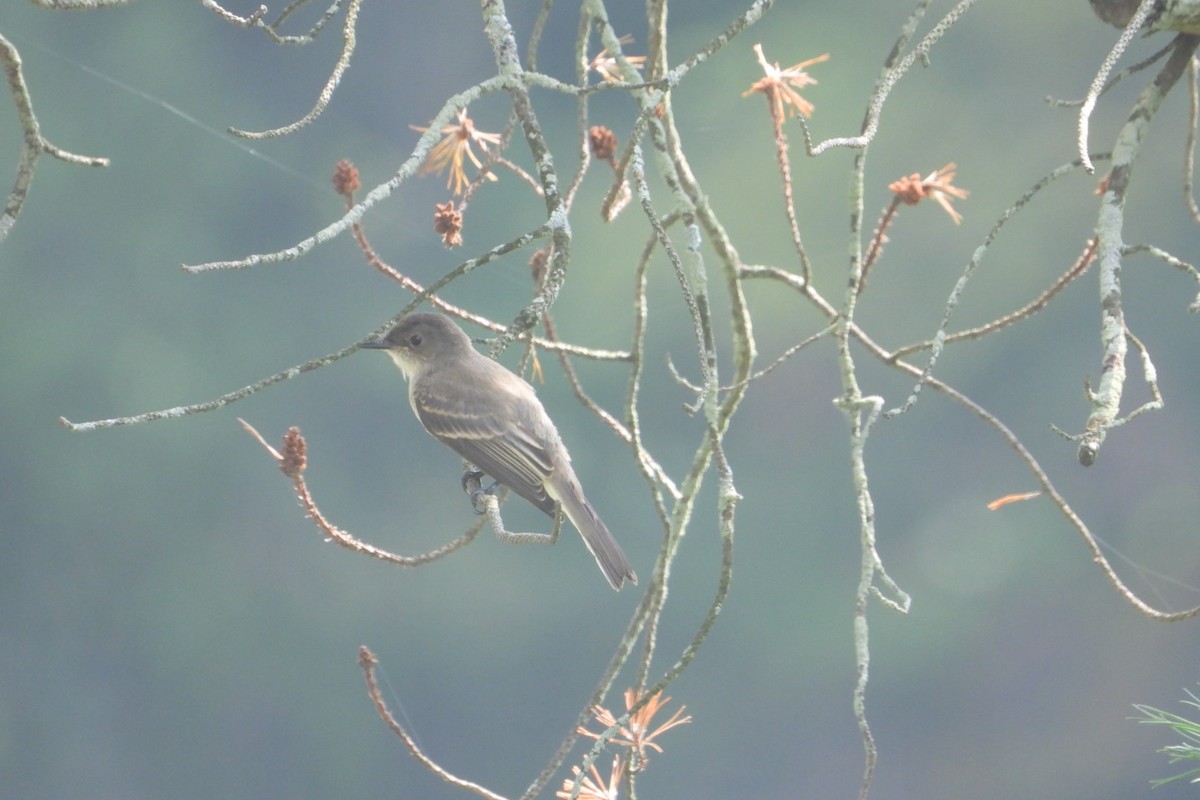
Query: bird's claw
(472, 483)
(479, 497)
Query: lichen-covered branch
(1105, 398)
(33, 143)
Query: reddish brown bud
(294, 447)
(603, 143)
(537, 265)
(447, 223)
(345, 178)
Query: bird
(493, 418)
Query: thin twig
(886, 83)
(1093, 93)
(939, 339)
(1125, 73)
(1189, 151)
(292, 463)
(256, 20)
(33, 143)
(349, 39)
(367, 661)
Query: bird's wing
(491, 431)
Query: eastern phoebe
(493, 419)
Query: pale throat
(404, 362)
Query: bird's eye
(415, 340)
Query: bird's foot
(472, 483)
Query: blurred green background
(173, 627)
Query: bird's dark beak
(375, 344)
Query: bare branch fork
(1105, 399)
(34, 144)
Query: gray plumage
(493, 418)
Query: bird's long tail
(599, 541)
